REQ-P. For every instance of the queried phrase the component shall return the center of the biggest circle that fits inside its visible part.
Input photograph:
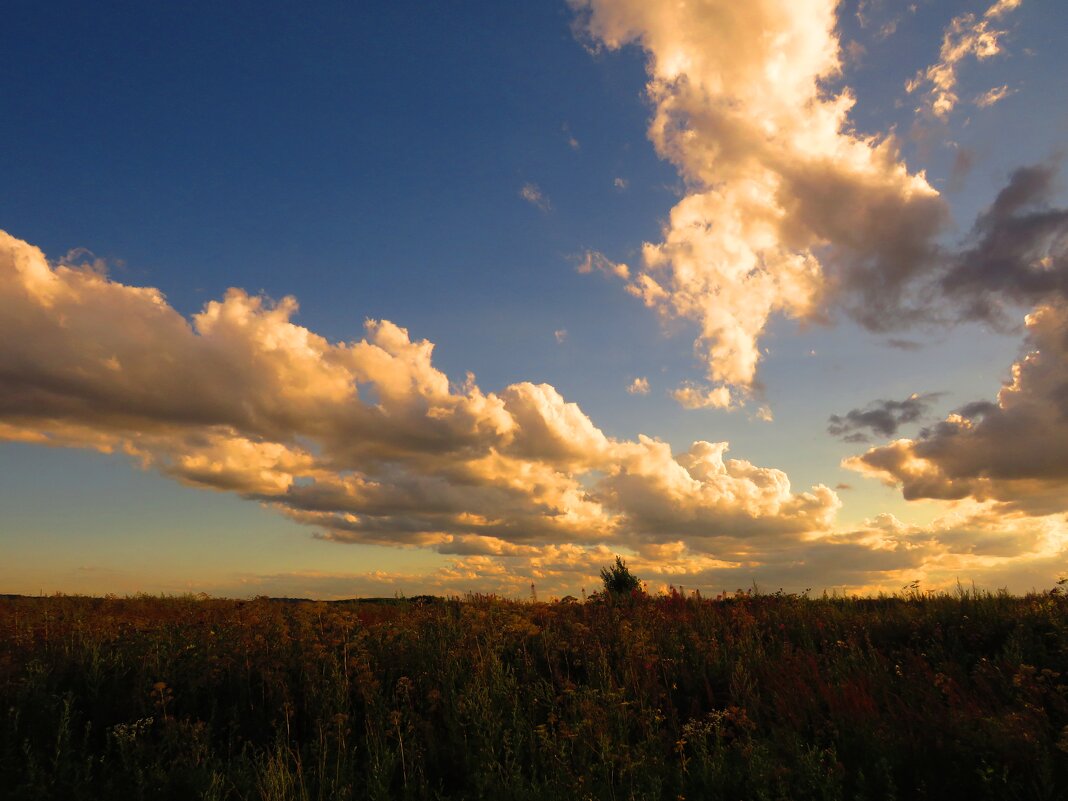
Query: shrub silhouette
(618, 580)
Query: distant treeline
(623, 697)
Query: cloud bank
(881, 554)
(365, 440)
(368, 442)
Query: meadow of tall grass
(622, 697)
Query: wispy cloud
(872, 14)
(992, 96)
(572, 142)
(593, 261)
(963, 162)
(534, 196)
(965, 36)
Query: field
(620, 697)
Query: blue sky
(450, 169)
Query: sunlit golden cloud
(882, 555)
(365, 440)
(785, 205)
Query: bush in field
(618, 580)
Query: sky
(398, 298)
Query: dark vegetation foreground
(746, 697)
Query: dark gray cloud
(1015, 256)
(1017, 251)
(1013, 451)
(879, 248)
(882, 417)
(963, 162)
(903, 344)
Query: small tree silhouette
(618, 580)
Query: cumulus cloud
(1012, 452)
(535, 197)
(787, 209)
(965, 36)
(365, 440)
(882, 417)
(639, 386)
(786, 205)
